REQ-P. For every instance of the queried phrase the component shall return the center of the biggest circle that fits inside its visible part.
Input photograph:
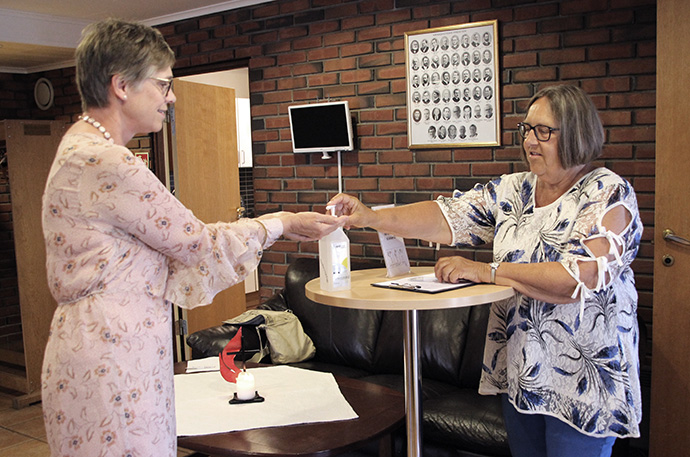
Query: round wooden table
(362, 295)
(380, 411)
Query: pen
(406, 286)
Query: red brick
(340, 64)
(537, 42)
(292, 58)
(307, 68)
(434, 183)
(411, 169)
(358, 22)
(308, 43)
(490, 169)
(356, 49)
(536, 11)
(590, 37)
(356, 76)
(375, 115)
(567, 55)
(583, 70)
(340, 38)
(618, 117)
(580, 6)
(391, 128)
(451, 169)
(377, 170)
(434, 155)
(645, 116)
(632, 100)
(390, 100)
(632, 134)
(323, 27)
(376, 87)
(360, 184)
(377, 143)
(541, 74)
(390, 73)
(322, 54)
(632, 67)
(396, 184)
(291, 83)
(606, 85)
(387, 156)
(373, 33)
(562, 24)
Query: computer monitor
(321, 127)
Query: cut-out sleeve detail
(607, 268)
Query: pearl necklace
(89, 120)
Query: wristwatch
(494, 267)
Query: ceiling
(41, 35)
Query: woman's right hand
(308, 226)
(359, 215)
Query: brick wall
(302, 51)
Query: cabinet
(30, 147)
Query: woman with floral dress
(563, 352)
(121, 249)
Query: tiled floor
(22, 433)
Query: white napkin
(292, 396)
(207, 364)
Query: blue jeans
(537, 435)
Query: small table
(362, 295)
(380, 410)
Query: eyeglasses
(164, 84)
(541, 132)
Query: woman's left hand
(452, 269)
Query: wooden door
(670, 402)
(207, 176)
(31, 147)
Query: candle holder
(236, 401)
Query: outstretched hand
(309, 226)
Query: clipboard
(427, 284)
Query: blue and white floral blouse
(577, 362)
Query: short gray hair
(581, 135)
(113, 46)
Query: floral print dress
(577, 362)
(120, 248)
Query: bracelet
(494, 267)
(265, 232)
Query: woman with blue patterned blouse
(563, 352)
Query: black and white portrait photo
(452, 86)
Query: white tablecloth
(292, 396)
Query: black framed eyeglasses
(541, 132)
(165, 84)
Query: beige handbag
(287, 341)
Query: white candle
(246, 390)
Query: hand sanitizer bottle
(334, 260)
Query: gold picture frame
(453, 86)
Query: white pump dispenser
(334, 259)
